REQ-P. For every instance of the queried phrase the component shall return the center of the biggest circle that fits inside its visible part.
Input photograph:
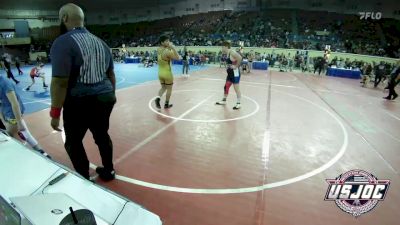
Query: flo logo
(372, 15)
(357, 191)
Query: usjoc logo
(357, 191)
(372, 15)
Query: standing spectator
(379, 73)
(18, 65)
(185, 62)
(6, 61)
(83, 84)
(394, 80)
(123, 52)
(251, 57)
(319, 64)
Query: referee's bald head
(71, 14)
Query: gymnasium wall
(311, 53)
(15, 41)
(35, 18)
(34, 55)
(33, 23)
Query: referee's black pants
(93, 113)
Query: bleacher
(270, 28)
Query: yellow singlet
(164, 68)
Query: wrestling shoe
(221, 102)
(237, 106)
(158, 103)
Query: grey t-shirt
(85, 59)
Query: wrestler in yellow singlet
(164, 67)
(166, 53)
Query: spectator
(319, 64)
(379, 73)
(185, 59)
(6, 63)
(18, 65)
(394, 80)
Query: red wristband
(55, 112)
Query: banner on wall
(21, 28)
(322, 32)
(15, 41)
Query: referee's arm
(111, 76)
(58, 91)
(61, 61)
(110, 71)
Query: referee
(83, 85)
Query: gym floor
(267, 163)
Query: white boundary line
(361, 107)
(255, 188)
(378, 154)
(121, 81)
(390, 114)
(206, 121)
(250, 82)
(303, 88)
(246, 189)
(44, 101)
(265, 148)
(159, 131)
